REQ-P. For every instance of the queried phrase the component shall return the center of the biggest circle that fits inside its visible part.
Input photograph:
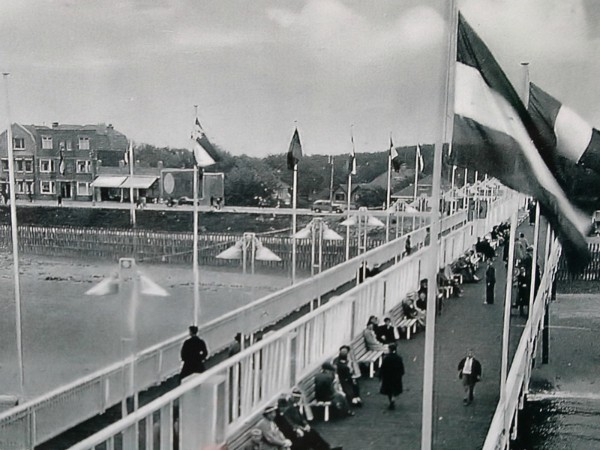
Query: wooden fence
(591, 271)
(165, 247)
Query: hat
(256, 432)
(327, 366)
(296, 393)
(347, 347)
(270, 409)
(530, 248)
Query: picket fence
(166, 247)
(591, 271)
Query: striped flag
(494, 133)
(352, 159)
(393, 152)
(563, 129)
(294, 153)
(420, 165)
(204, 153)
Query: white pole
(312, 247)
(331, 180)
(508, 298)
(131, 203)
(388, 199)
(294, 199)
(195, 250)
(452, 190)
(320, 246)
(536, 236)
(15, 242)
(466, 199)
(348, 226)
(416, 172)
(244, 252)
(445, 134)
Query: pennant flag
(494, 133)
(396, 162)
(204, 153)
(352, 159)
(295, 151)
(563, 129)
(61, 164)
(420, 165)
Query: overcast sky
(255, 67)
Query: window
(340, 196)
(20, 187)
(18, 143)
(84, 143)
(29, 187)
(47, 166)
(69, 145)
(28, 165)
(47, 187)
(84, 166)
(19, 165)
(83, 188)
(5, 165)
(47, 142)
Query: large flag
(494, 133)
(563, 129)
(393, 152)
(295, 151)
(352, 159)
(204, 153)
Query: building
(59, 161)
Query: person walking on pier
(490, 282)
(469, 371)
(391, 373)
(193, 354)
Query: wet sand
(67, 334)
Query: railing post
(203, 414)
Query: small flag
(396, 162)
(295, 151)
(204, 153)
(494, 133)
(420, 165)
(61, 163)
(564, 130)
(352, 159)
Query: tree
(250, 183)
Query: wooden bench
(307, 385)
(241, 437)
(400, 321)
(364, 356)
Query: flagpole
(445, 134)
(15, 242)
(388, 199)
(131, 203)
(416, 172)
(196, 314)
(452, 189)
(349, 194)
(331, 180)
(466, 199)
(294, 200)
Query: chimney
(54, 124)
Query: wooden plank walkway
(465, 323)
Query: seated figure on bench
(256, 440)
(327, 390)
(464, 267)
(295, 426)
(485, 248)
(272, 436)
(370, 338)
(446, 278)
(410, 311)
(348, 373)
(387, 333)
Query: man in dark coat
(325, 390)
(391, 373)
(490, 282)
(469, 371)
(193, 354)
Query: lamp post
(317, 230)
(248, 247)
(363, 220)
(112, 286)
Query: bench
(400, 321)
(364, 356)
(242, 436)
(307, 385)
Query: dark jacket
(193, 354)
(490, 275)
(475, 369)
(324, 390)
(391, 373)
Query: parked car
(328, 206)
(185, 200)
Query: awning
(106, 181)
(138, 182)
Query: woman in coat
(391, 373)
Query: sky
(258, 68)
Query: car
(329, 206)
(184, 200)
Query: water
(560, 424)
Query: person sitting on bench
(348, 372)
(371, 341)
(271, 434)
(387, 333)
(326, 390)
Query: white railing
(517, 382)
(45, 417)
(241, 386)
